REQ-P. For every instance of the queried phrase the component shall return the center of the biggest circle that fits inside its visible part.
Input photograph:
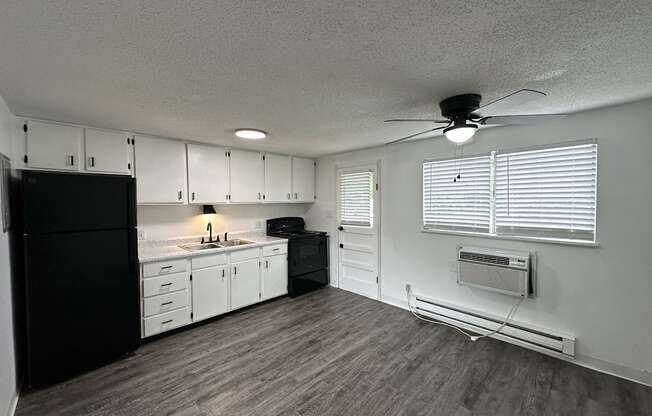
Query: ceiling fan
(463, 115)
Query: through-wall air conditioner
(504, 271)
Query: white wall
(8, 389)
(601, 295)
(160, 222)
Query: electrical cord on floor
(473, 338)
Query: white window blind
(547, 192)
(460, 204)
(356, 198)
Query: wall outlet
(141, 234)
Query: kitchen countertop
(149, 251)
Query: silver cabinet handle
(166, 284)
(222, 273)
(166, 303)
(165, 267)
(295, 195)
(72, 160)
(266, 264)
(167, 322)
(193, 196)
(276, 249)
(180, 195)
(289, 195)
(91, 161)
(235, 270)
(258, 195)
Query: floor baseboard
(12, 406)
(614, 369)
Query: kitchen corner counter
(149, 251)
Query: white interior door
(208, 174)
(358, 225)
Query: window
(452, 203)
(545, 192)
(356, 203)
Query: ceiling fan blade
(512, 100)
(524, 119)
(393, 120)
(416, 134)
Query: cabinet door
(278, 178)
(246, 176)
(108, 152)
(245, 283)
(303, 179)
(208, 180)
(53, 146)
(210, 292)
(160, 171)
(275, 276)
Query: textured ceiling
(319, 75)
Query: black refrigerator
(75, 247)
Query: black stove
(307, 254)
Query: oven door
(307, 254)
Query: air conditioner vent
(484, 258)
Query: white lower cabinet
(210, 292)
(165, 321)
(245, 283)
(275, 276)
(180, 291)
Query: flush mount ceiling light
(251, 134)
(460, 133)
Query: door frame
(377, 164)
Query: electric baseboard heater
(528, 336)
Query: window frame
(492, 234)
(357, 169)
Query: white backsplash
(168, 221)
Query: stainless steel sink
(236, 242)
(204, 246)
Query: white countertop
(149, 251)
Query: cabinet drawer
(275, 249)
(208, 261)
(164, 267)
(246, 254)
(164, 322)
(165, 303)
(164, 284)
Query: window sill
(557, 241)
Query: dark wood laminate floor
(335, 353)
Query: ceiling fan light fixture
(251, 134)
(460, 133)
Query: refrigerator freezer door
(59, 202)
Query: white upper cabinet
(208, 174)
(53, 146)
(108, 151)
(303, 180)
(246, 176)
(160, 171)
(278, 178)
